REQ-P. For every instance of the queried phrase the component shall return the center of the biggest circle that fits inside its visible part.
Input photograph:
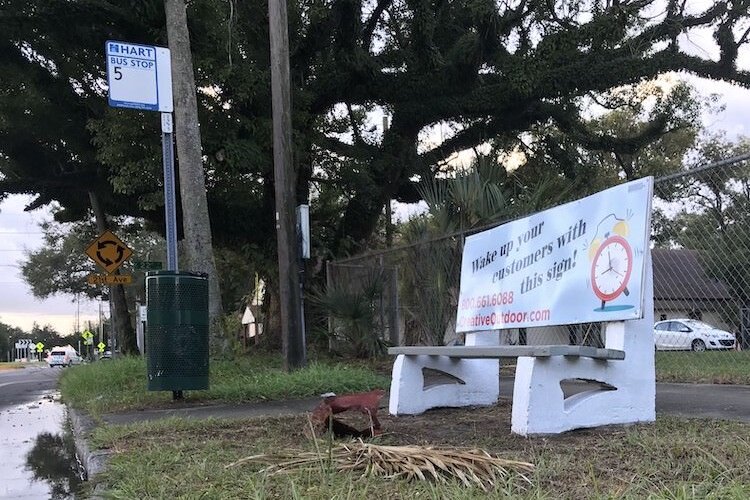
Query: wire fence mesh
(701, 260)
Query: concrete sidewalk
(224, 410)
(725, 402)
(722, 402)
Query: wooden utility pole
(292, 330)
(195, 220)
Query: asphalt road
(20, 386)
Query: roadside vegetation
(710, 367)
(121, 384)
(672, 458)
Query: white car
(62, 357)
(690, 334)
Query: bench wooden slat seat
(509, 351)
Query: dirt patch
(485, 426)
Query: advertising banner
(576, 263)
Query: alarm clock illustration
(611, 268)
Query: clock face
(610, 270)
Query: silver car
(690, 334)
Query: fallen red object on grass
(364, 402)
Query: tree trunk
(271, 338)
(120, 314)
(195, 220)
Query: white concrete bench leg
(480, 377)
(539, 406)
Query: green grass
(671, 459)
(175, 458)
(710, 367)
(121, 384)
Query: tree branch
(341, 148)
(355, 129)
(570, 123)
(372, 22)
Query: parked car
(63, 357)
(690, 334)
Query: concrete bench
(624, 393)
(623, 371)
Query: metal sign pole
(170, 210)
(112, 346)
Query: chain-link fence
(362, 300)
(701, 262)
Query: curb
(93, 461)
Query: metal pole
(111, 331)
(302, 341)
(293, 340)
(101, 323)
(170, 210)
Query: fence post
(394, 334)
(329, 280)
(381, 279)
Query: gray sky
(19, 231)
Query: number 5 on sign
(139, 76)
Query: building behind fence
(701, 262)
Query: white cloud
(735, 119)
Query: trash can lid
(176, 273)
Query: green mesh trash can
(176, 330)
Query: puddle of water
(39, 458)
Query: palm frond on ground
(469, 466)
